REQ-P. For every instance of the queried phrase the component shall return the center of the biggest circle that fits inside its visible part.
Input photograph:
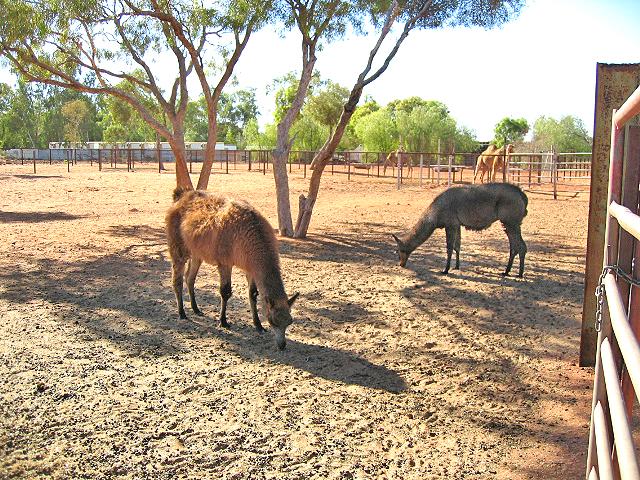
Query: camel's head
(509, 148)
(403, 251)
(278, 314)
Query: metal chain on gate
(600, 289)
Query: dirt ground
(389, 373)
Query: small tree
(566, 135)
(421, 14)
(510, 130)
(76, 115)
(377, 131)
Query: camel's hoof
(225, 324)
(444, 272)
(260, 329)
(198, 312)
(183, 316)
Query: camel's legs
(225, 293)
(192, 272)
(177, 272)
(253, 295)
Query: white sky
(543, 63)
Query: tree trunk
(280, 155)
(176, 142)
(209, 154)
(320, 161)
(285, 224)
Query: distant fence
(565, 173)
(553, 173)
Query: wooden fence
(612, 453)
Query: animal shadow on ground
(117, 297)
(36, 217)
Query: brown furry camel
(475, 207)
(491, 161)
(392, 161)
(227, 233)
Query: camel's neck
(269, 282)
(420, 232)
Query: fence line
(612, 453)
(537, 172)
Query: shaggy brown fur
(227, 233)
(475, 207)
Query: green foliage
(308, 134)
(285, 89)
(377, 131)
(566, 135)
(31, 115)
(325, 106)
(420, 128)
(464, 13)
(77, 117)
(407, 106)
(415, 124)
(235, 110)
(254, 139)
(510, 130)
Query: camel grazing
(227, 233)
(490, 161)
(475, 207)
(392, 161)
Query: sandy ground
(389, 373)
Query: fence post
(399, 177)
(226, 161)
(554, 172)
(34, 163)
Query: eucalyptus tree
(60, 43)
(412, 15)
(77, 116)
(317, 21)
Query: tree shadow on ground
(32, 176)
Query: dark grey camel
(475, 207)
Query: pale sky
(542, 63)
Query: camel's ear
(293, 298)
(398, 241)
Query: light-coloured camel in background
(392, 161)
(491, 161)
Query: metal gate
(612, 453)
